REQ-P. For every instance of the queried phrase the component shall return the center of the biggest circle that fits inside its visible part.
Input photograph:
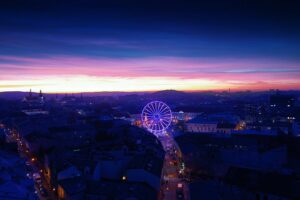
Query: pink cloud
(273, 73)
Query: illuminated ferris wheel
(156, 117)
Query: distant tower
(41, 97)
(30, 93)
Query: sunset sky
(135, 46)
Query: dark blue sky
(243, 31)
(220, 28)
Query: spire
(30, 93)
(41, 94)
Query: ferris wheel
(156, 117)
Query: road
(34, 166)
(173, 181)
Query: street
(173, 183)
(35, 170)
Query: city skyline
(148, 47)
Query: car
(40, 185)
(179, 194)
(37, 177)
(179, 191)
(43, 192)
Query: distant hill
(12, 95)
(168, 93)
(164, 94)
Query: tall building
(34, 100)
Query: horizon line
(149, 91)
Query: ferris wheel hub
(156, 117)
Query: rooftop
(270, 182)
(119, 190)
(149, 163)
